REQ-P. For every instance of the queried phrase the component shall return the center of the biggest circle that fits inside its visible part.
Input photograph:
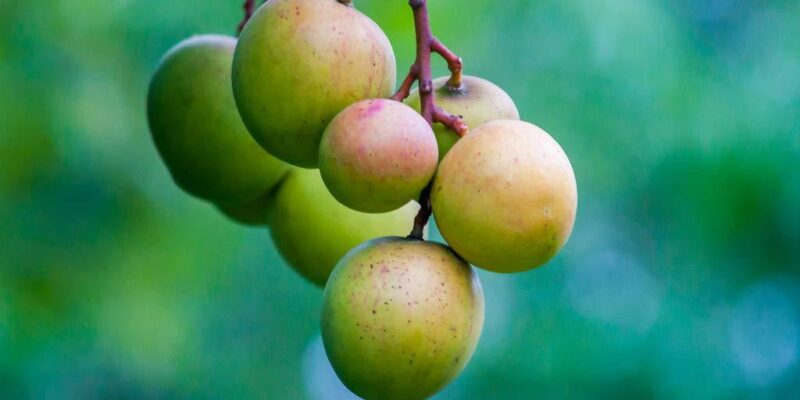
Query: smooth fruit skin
(300, 62)
(478, 101)
(377, 155)
(197, 129)
(505, 197)
(401, 318)
(312, 231)
(251, 213)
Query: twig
(421, 72)
(405, 87)
(249, 8)
(454, 63)
(454, 122)
(423, 215)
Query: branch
(454, 63)
(424, 214)
(421, 71)
(453, 122)
(405, 87)
(422, 27)
(249, 7)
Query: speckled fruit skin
(478, 101)
(505, 197)
(312, 231)
(401, 318)
(300, 62)
(377, 155)
(197, 130)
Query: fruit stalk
(423, 215)
(249, 7)
(422, 73)
(422, 26)
(454, 63)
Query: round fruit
(253, 212)
(377, 155)
(313, 231)
(196, 127)
(505, 197)
(477, 100)
(300, 62)
(401, 318)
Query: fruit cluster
(295, 126)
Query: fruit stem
(405, 87)
(422, 73)
(348, 3)
(249, 8)
(454, 122)
(454, 63)
(423, 215)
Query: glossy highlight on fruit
(505, 197)
(478, 101)
(377, 155)
(312, 231)
(197, 129)
(401, 318)
(298, 64)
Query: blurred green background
(681, 279)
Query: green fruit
(300, 62)
(477, 100)
(401, 318)
(313, 231)
(196, 127)
(505, 197)
(377, 155)
(252, 213)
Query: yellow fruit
(477, 100)
(401, 318)
(505, 197)
(377, 155)
(301, 62)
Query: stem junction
(421, 72)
